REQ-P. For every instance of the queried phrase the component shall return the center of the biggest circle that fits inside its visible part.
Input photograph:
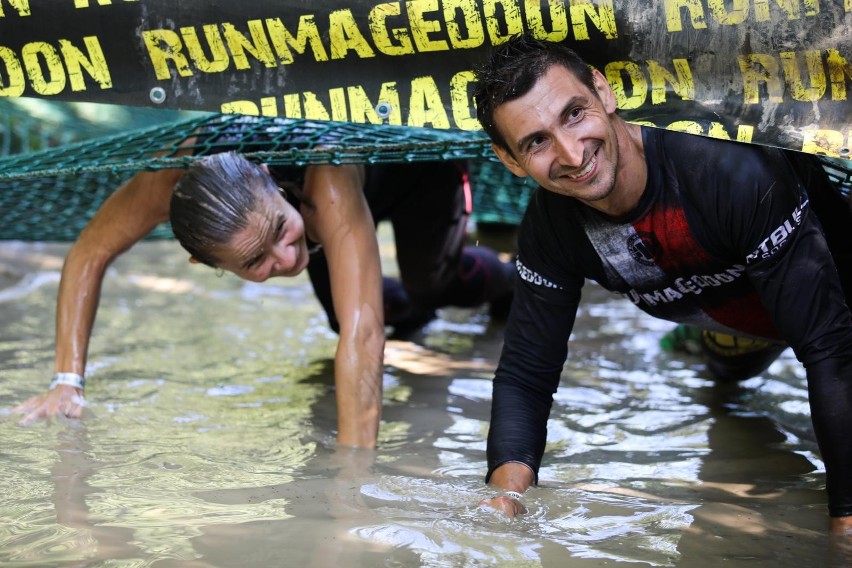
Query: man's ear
(509, 161)
(604, 91)
(264, 167)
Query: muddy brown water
(208, 439)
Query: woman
(232, 214)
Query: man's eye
(575, 114)
(535, 143)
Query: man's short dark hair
(513, 69)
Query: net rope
(49, 195)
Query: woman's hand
(61, 400)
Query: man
(257, 222)
(720, 235)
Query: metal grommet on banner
(383, 110)
(157, 95)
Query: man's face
(561, 134)
(272, 244)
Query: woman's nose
(282, 260)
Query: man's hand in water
(509, 505)
(513, 479)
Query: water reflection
(209, 440)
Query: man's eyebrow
(576, 100)
(521, 144)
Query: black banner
(773, 72)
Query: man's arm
(788, 261)
(534, 351)
(129, 214)
(337, 216)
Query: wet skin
(567, 138)
(272, 244)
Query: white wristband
(514, 495)
(70, 379)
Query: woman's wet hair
(213, 200)
(512, 71)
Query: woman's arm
(338, 217)
(129, 214)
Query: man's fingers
(510, 507)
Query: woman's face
(272, 244)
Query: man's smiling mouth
(585, 170)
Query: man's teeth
(585, 170)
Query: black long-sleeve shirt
(725, 237)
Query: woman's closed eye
(279, 228)
(276, 235)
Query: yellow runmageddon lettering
(460, 100)
(337, 98)
(362, 110)
(687, 126)
(258, 45)
(239, 107)
(838, 70)
(93, 62)
(603, 19)
(306, 34)
(535, 20)
(469, 10)
(164, 46)
(695, 13)
(745, 133)
(425, 106)
(53, 81)
(268, 106)
(422, 27)
(22, 7)
(314, 108)
(754, 76)
(15, 82)
(683, 85)
(832, 143)
(793, 76)
(736, 15)
(390, 41)
(344, 35)
(219, 58)
(793, 8)
(614, 73)
(85, 3)
(292, 108)
(502, 20)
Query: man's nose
(569, 149)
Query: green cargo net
(30, 125)
(50, 195)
